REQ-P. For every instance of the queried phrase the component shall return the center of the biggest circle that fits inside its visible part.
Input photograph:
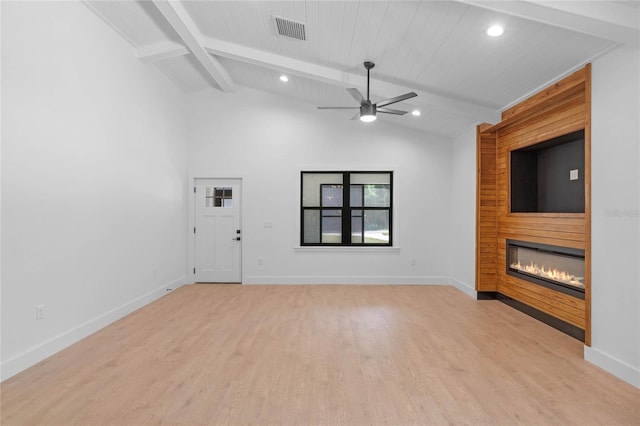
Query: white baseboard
(463, 287)
(345, 279)
(49, 347)
(620, 369)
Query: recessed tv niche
(548, 177)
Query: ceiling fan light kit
(368, 110)
(367, 113)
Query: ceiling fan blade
(357, 95)
(396, 99)
(391, 111)
(338, 107)
(356, 117)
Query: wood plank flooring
(320, 355)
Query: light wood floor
(311, 355)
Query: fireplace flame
(549, 273)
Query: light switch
(573, 174)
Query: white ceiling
(438, 49)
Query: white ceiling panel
(439, 49)
(184, 72)
(139, 22)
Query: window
(346, 208)
(219, 197)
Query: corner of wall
(465, 288)
(613, 366)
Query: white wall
(463, 212)
(93, 179)
(615, 229)
(273, 139)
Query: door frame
(191, 219)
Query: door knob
(235, 239)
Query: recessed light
(495, 30)
(416, 112)
(284, 78)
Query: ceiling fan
(368, 109)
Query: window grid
(219, 197)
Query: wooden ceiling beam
(180, 20)
(604, 19)
(345, 79)
(160, 51)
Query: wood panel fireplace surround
(533, 216)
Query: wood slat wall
(486, 213)
(558, 110)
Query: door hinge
(194, 189)
(194, 229)
(194, 270)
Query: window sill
(347, 249)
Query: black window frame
(346, 209)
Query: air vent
(288, 28)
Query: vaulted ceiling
(438, 49)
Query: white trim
(49, 347)
(393, 168)
(345, 279)
(346, 249)
(620, 369)
(465, 288)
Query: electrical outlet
(413, 261)
(260, 261)
(40, 312)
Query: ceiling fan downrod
(368, 65)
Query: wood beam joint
(181, 21)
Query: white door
(218, 238)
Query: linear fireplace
(555, 267)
